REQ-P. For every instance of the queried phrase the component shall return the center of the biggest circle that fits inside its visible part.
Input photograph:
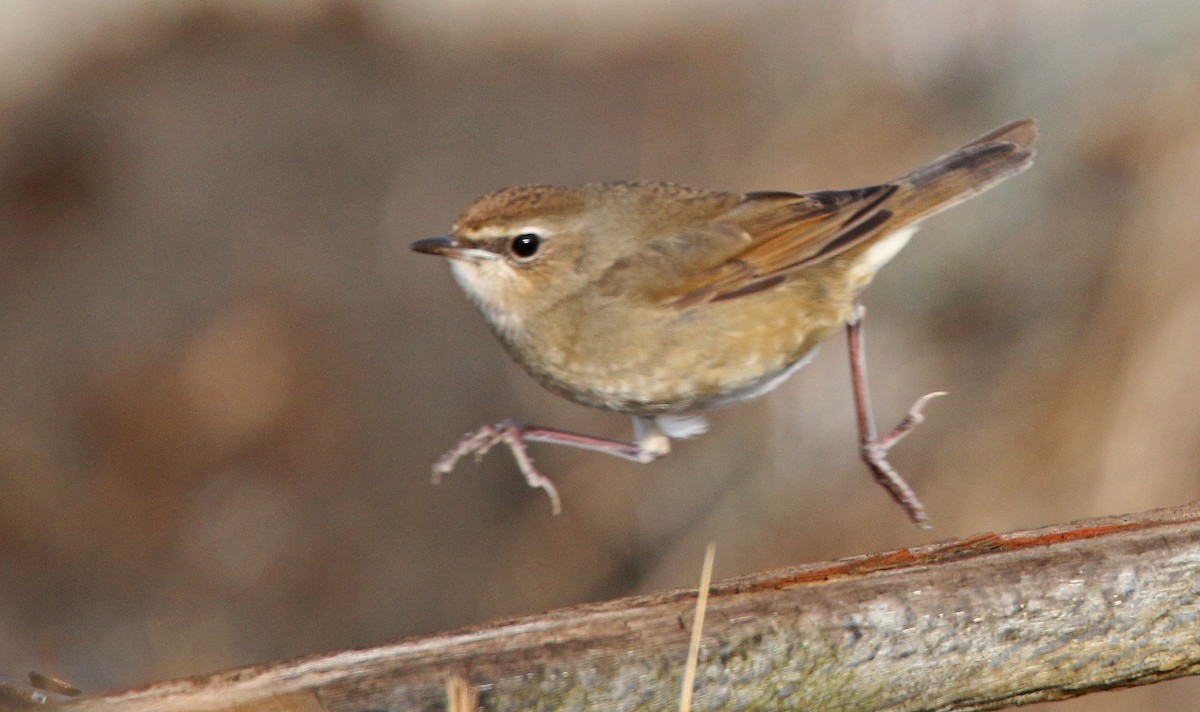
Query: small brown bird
(661, 301)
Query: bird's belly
(709, 360)
(651, 389)
(749, 390)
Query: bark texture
(979, 623)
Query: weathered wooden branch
(980, 623)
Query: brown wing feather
(787, 232)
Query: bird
(663, 301)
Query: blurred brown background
(223, 377)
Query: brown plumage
(655, 299)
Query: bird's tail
(965, 172)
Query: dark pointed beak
(452, 248)
(446, 246)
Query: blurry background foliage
(223, 377)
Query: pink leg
(515, 435)
(874, 448)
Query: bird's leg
(874, 448)
(650, 445)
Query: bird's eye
(525, 245)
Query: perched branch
(981, 623)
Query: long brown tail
(966, 171)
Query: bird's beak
(437, 245)
(449, 247)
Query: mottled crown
(512, 206)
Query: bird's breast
(659, 359)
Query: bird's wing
(783, 232)
(779, 233)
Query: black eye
(526, 245)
